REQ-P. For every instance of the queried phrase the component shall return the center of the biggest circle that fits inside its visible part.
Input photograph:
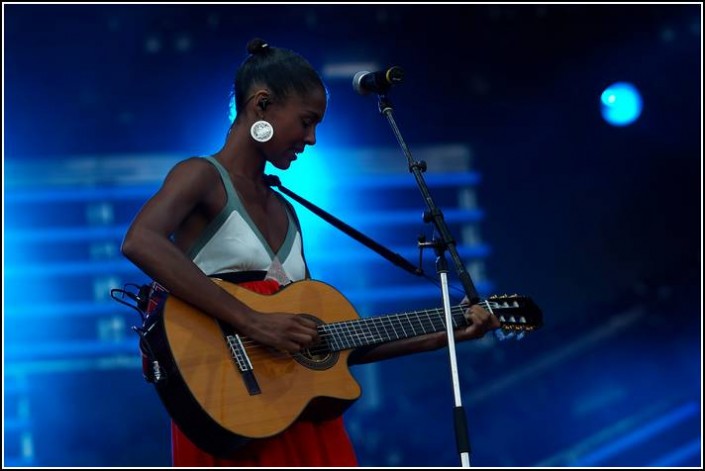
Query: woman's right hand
(282, 331)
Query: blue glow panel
(621, 104)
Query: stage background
(600, 225)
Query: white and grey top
(232, 243)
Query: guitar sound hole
(318, 356)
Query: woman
(217, 215)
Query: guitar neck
(381, 329)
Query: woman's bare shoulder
(193, 170)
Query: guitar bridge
(244, 365)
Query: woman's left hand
(480, 322)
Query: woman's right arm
(148, 245)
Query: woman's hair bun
(257, 46)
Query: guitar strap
(273, 180)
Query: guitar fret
(356, 337)
(369, 335)
(382, 332)
(420, 321)
(391, 324)
(335, 337)
(428, 317)
(338, 336)
(375, 332)
(436, 321)
(429, 321)
(344, 335)
(425, 323)
(374, 335)
(401, 325)
(410, 324)
(364, 335)
(459, 318)
(348, 329)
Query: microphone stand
(446, 243)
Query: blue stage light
(621, 104)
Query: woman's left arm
(480, 322)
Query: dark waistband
(241, 276)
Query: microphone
(366, 82)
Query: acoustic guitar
(223, 389)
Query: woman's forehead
(316, 100)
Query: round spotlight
(621, 104)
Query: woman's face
(294, 121)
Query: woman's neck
(240, 156)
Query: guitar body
(217, 405)
(223, 390)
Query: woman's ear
(261, 99)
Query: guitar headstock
(516, 314)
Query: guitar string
(344, 327)
(346, 332)
(341, 327)
(363, 330)
(361, 327)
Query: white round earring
(261, 131)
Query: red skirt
(303, 444)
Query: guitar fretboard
(373, 330)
